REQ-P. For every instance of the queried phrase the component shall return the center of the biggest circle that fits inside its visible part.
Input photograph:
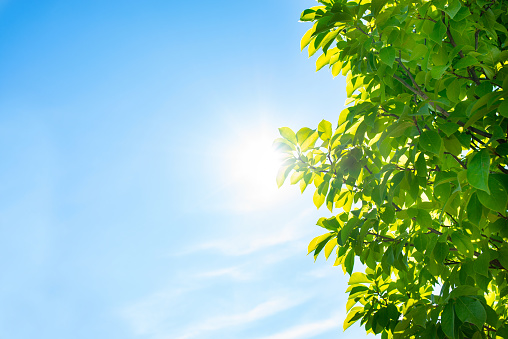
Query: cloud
(311, 329)
(236, 273)
(151, 317)
(148, 316)
(263, 310)
(249, 240)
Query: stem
(470, 70)
(457, 159)
(437, 107)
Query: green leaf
(465, 62)
(497, 198)
(463, 290)
(309, 142)
(430, 141)
(471, 310)
(463, 244)
(387, 260)
(303, 134)
(325, 130)
(503, 108)
(348, 227)
(438, 71)
(440, 251)
(387, 55)
(448, 321)
(419, 51)
(453, 8)
(449, 128)
(438, 32)
(421, 166)
(288, 134)
(424, 219)
(478, 170)
(474, 209)
(482, 263)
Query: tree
(417, 165)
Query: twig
(457, 159)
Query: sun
(252, 166)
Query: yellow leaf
(350, 315)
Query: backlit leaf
(478, 170)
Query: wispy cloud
(311, 329)
(263, 310)
(150, 317)
(247, 241)
(235, 273)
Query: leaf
(303, 134)
(325, 130)
(463, 244)
(318, 199)
(474, 209)
(449, 128)
(453, 8)
(448, 321)
(358, 278)
(329, 247)
(424, 219)
(430, 141)
(463, 290)
(349, 319)
(283, 173)
(465, 62)
(307, 37)
(440, 251)
(348, 227)
(503, 108)
(309, 142)
(421, 166)
(497, 198)
(323, 60)
(478, 170)
(419, 51)
(438, 71)
(471, 310)
(318, 240)
(387, 55)
(438, 32)
(482, 263)
(288, 134)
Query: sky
(138, 195)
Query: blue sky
(138, 197)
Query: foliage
(416, 165)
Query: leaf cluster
(416, 165)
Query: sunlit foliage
(416, 166)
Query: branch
(381, 236)
(424, 96)
(502, 169)
(457, 159)
(361, 30)
(470, 70)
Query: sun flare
(252, 166)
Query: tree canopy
(416, 167)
